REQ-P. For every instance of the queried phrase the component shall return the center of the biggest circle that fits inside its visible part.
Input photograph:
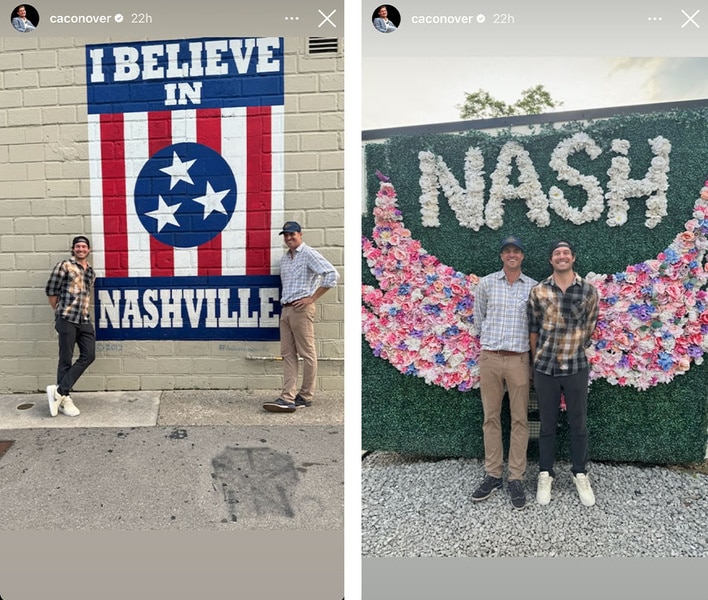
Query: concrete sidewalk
(178, 407)
(188, 459)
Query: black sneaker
(486, 488)
(516, 491)
(279, 405)
(300, 402)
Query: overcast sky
(398, 92)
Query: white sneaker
(582, 484)
(68, 407)
(54, 399)
(543, 491)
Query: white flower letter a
(529, 188)
(468, 204)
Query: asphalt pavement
(166, 460)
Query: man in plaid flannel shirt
(69, 293)
(562, 312)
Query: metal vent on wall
(317, 46)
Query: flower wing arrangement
(653, 322)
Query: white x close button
(327, 18)
(690, 19)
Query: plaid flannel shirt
(564, 323)
(71, 283)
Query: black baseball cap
(511, 240)
(80, 238)
(561, 244)
(291, 227)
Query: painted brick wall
(44, 178)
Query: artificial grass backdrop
(664, 424)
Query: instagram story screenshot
(534, 299)
(172, 297)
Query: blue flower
(665, 361)
(642, 311)
(440, 358)
(671, 255)
(464, 304)
(451, 331)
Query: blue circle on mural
(185, 195)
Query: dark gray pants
(70, 335)
(575, 390)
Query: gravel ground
(414, 506)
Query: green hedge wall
(664, 424)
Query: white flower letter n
(468, 204)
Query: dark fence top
(555, 117)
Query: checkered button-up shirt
(71, 283)
(564, 323)
(305, 271)
(500, 312)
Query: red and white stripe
(249, 139)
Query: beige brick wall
(44, 177)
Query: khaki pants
(494, 371)
(297, 338)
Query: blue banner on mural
(188, 308)
(196, 73)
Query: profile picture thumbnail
(386, 18)
(24, 18)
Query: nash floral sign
(653, 326)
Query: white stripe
(277, 185)
(234, 150)
(184, 129)
(98, 259)
(136, 155)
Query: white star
(212, 201)
(164, 214)
(179, 171)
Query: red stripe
(115, 221)
(162, 256)
(209, 134)
(259, 184)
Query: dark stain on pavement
(178, 434)
(255, 481)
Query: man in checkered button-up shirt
(305, 275)
(562, 312)
(69, 293)
(500, 317)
